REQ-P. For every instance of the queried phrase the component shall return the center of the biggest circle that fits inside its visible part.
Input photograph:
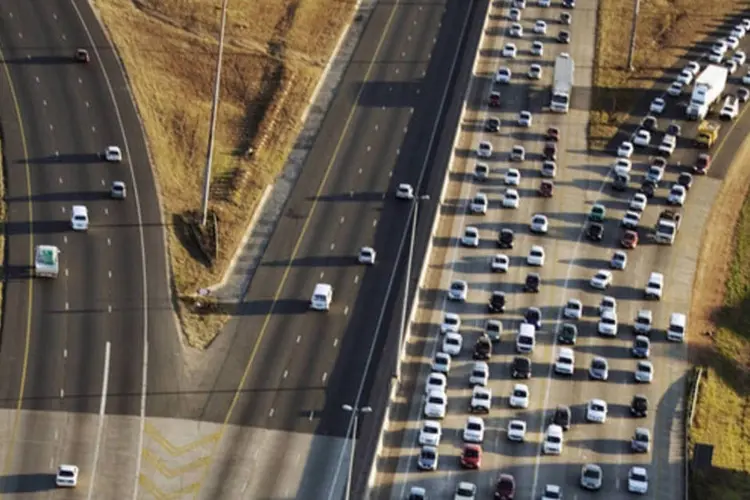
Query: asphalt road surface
(57, 116)
(570, 262)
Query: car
(428, 458)
(631, 219)
(435, 405)
(67, 476)
(474, 430)
(621, 181)
(596, 411)
(563, 36)
(562, 417)
(544, 3)
(458, 290)
(565, 361)
(566, 18)
(118, 191)
(512, 177)
(745, 23)
(441, 363)
(79, 218)
(641, 347)
(591, 477)
(549, 169)
(535, 72)
(643, 322)
(644, 372)
(494, 100)
(595, 231)
(599, 369)
(743, 94)
(509, 50)
(629, 239)
(431, 433)
(470, 237)
(524, 119)
(657, 106)
(503, 75)
(405, 192)
(638, 480)
(685, 77)
(622, 166)
(517, 153)
(417, 493)
(366, 255)
(496, 303)
(517, 430)
(514, 14)
(552, 492)
(505, 487)
(480, 373)
(597, 213)
(650, 123)
(625, 150)
(606, 303)
(540, 27)
(694, 67)
(641, 440)
(717, 51)
(668, 145)
(642, 138)
(506, 238)
(452, 343)
(702, 164)
(739, 57)
(484, 149)
(553, 440)
(607, 323)
(493, 329)
(481, 172)
(479, 204)
(732, 42)
(536, 256)
(546, 189)
(654, 286)
(539, 224)
(655, 174)
(519, 398)
(511, 198)
(619, 260)
(738, 32)
(677, 195)
(113, 154)
(492, 124)
(451, 323)
(672, 129)
(573, 309)
(465, 491)
(499, 263)
(537, 48)
(568, 4)
(638, 202)
(731, 66)
(520, 367)
(81, 55)
(482, 348)
(568, 334)
(730, 109)
(481, 400)
(639, 406)
(436, 382)
(746, 78)
(533, 316)
(471, 456)
(648, 188)
(601, 280)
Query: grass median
(275, 52)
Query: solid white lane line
(100, 427)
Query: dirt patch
(275, 51)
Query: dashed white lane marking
(408, 38)
(44, 102)
(382, 196)
(312, 414)
(87, 104)
(80, 80)
(341, 220)
(54, 16)
(10, 15)
(403, 54)
(374, 222)
(333, 245)
(324, 377)
(59, 180)
(271, 412)
(102, 182)
(335, 342)
(351, 194)
(20, 35)
(356, 280)
(93, 129)
(405, 129)
(65, 353)
(62, 393)
(109, 242)
(51, 127)
(67, 306)
(63, 209)
(67, 273)
(57, 152)
(321, 275)
(109, 308)
(65, 239)
(106, 211)
(299, 337)
(398, 151)
(286, 374)
(346, 310)
(424, 73)
(390, 174)
(369, 148)
(109, 273)
(63, 37)
(377, 127)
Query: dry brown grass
(666, 30)
(275, 52)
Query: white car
(638, 202)
(694, 67)
(500, 263)
(732, 42)
(515, 30)
(536, 256)
(79, 218)
(405, 192)
(644, 372)
(537, 48)
(657, 106)
(644, 319)
(549, 169)
(67, 476)
(510, 51)
(717, 52)
(655, 286)
(565, 361)
(602, 279)
(465, 491)
(685, 76)
(535, 72)
(480, 374)
(623, 166)
(638, 480)
(479, 204)
(607, 302)
(553, 440)
(503, 75)
(731, 66)
(451, 323)
(517, 153)
(607, 323)
(512, 177)
(631, 219)
(675, 89)
(481, 171)
(118, 190)
(552, 492)
(458, 290)
(625, 150)
(619, 260)
(573, 309)
(739, 57)
(366, 255)
(730, 109)
(511, 198)
(596, 411)
(113, 154)
(452, 343)
(677, 195)
(435, 405)
(474, 430)
(514, 14)
(431, 433)
(484, 149)
(428, 458)
(738, 32)
(481, 399)
(655, 173)
(519, 398)
(544, 3)
(539, 224)
(746, 79)
(517, 430)
(441, 363)
(540, 27)
(435, 382)
(642, 138)
(524, 119)
(470, 237)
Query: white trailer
(707, 89)
(562, 84)
(47, 261)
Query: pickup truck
(667, 226)
(46, 261)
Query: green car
(597, 213)
(568, 334)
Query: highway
(57, 116)
(571, 261)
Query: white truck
(667, 227)
(47, 261)
(562, 84)
(707, 89)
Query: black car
(648, 187)
(521, 367)
(532, 283)
(649, 123)
(505, 238)
(569, 4)
(563, 36)
(658, 161)
(685, 179)
(568, 334)
(562, 417)
(639, 406)
(497, 302)
(533, 316)
(621, 182)
(492, 124)
(674, 129)
(595, 231)
(483, 348)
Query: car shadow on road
(27, 483)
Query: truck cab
(707, 134)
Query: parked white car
(479, 204)
(452, 343)
(512, 177)
(596, 411)
(470, 237)
(458, 290)
(435, 405)
(484, 149)
(441, 363)
(638, 480)
(517, 430)
(519, 398)
(451, 323)
(474, 430)
(573, 309)
(431, 433)
(608, 323)
(536, 256)
(638, 202)
(481, 400)
(642, 138)
(539, 224)
(500, 263)
(510, 51)
(511, 199)
(622, 166)
(625, 150)
(553, 440)
(524, 119)
(631, 219)
(657, 106)
(677, 195)
(435, 382)
(565, 361)
(602, 279)
(503, 75)
(480, 374)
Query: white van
(526, 338)
(321, 297)
(677, 327)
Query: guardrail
(694, 382)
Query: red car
(702, 164)
(505, 488)
(471, 457)
(553, 134)
(546, 188)
(495, 99)
(629, 239)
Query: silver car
(591, 477)
(428, 458)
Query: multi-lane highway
(571, 261)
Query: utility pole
(356, 411)
(214, 111)
(631, 52)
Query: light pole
(356, 412)
(424, 197)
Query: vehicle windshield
(591, 474)
(65, 473)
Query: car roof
(554, 429)
(638, 470)
(565, 350)
(80, 210)
(598, 401)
